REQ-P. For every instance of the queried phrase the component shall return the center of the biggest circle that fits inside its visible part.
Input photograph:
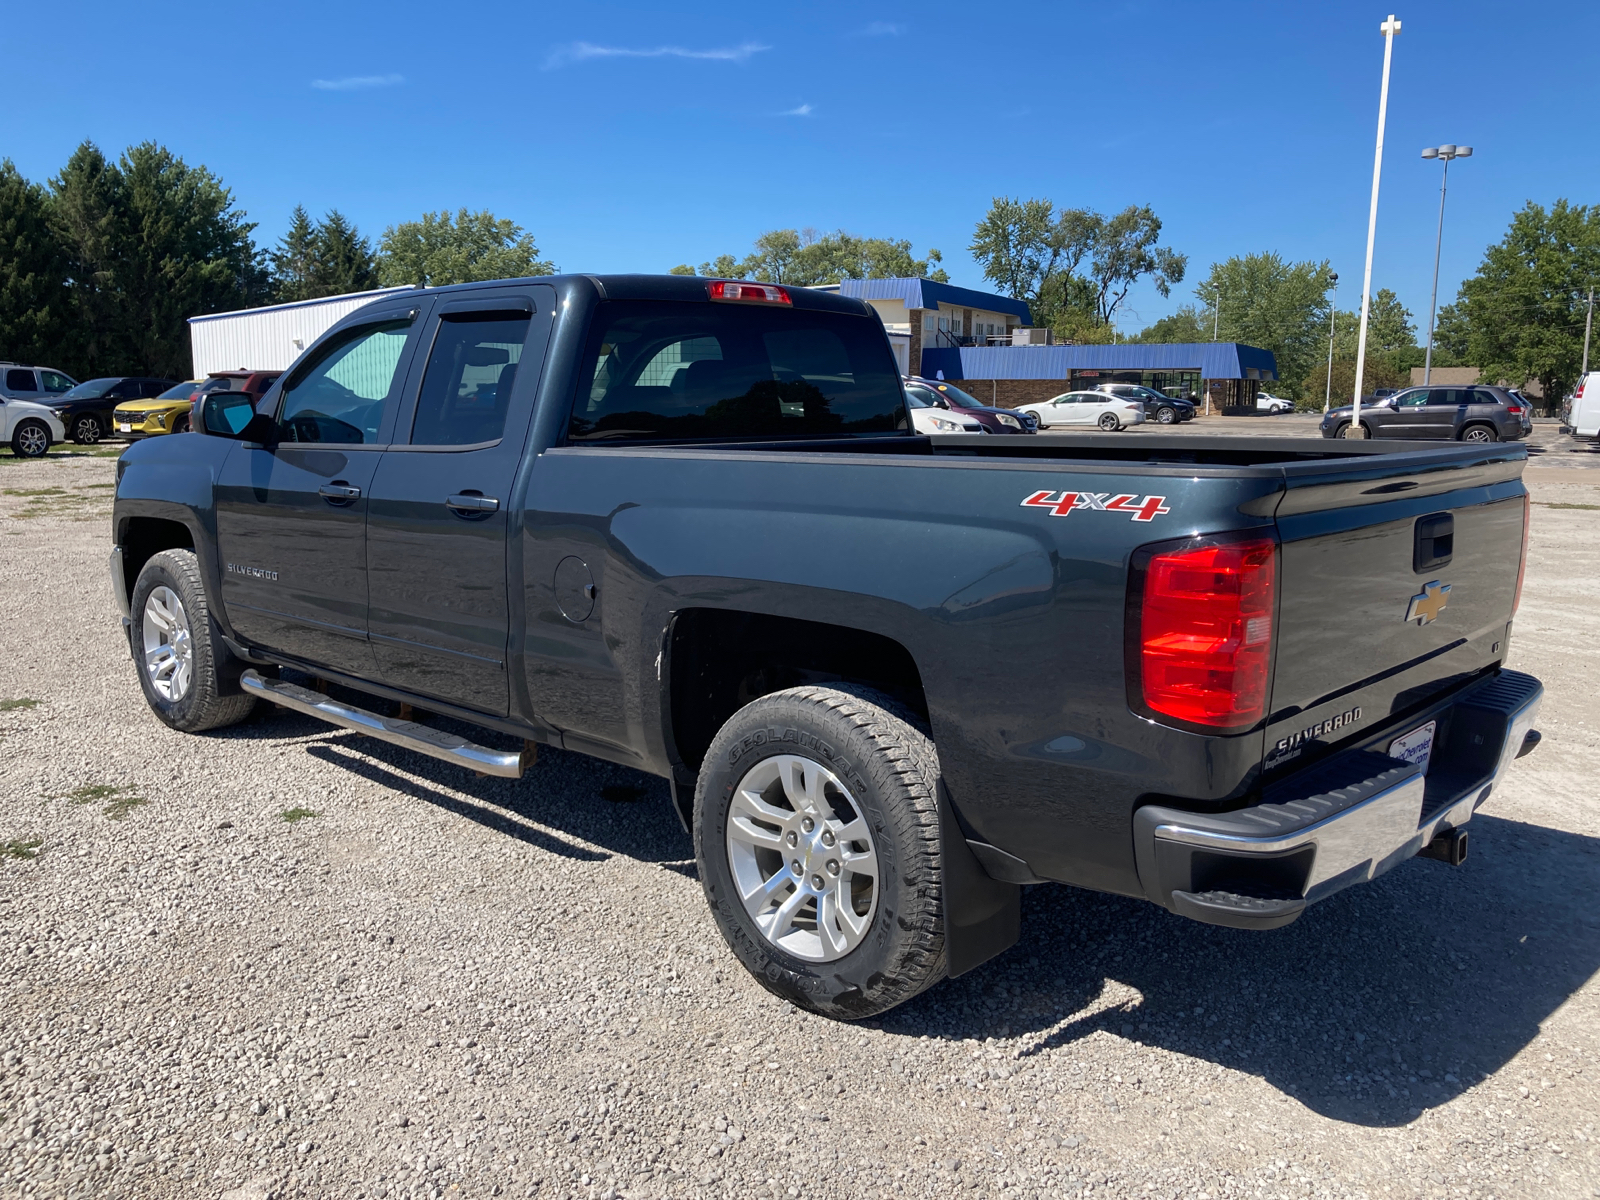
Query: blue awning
(1212, 360)
(925, 293)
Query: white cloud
(355, 83)
(881, 29)
(583, 51)
(803, 111)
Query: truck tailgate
(1397, 583)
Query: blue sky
(634, 137)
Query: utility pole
(1216, 315)
(1445, 152)
(1389, 28)
(1333, 312)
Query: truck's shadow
(1431, 968)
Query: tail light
(1522, 562)
(1199, 630)
(1516, 410)
(1578, 395)
(760, 293)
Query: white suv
(30, 428)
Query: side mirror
(232, 415)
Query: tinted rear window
(657, 369)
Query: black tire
(1480, 433)
(30, 439)
(86, 430)
(890, 769)
(1109, 422)
(1165, 415)
(202, 706)
(1343, 430)
(181, 425)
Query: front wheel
(181, 425)
(817, 837)
(1165, 415)
(178, 647)
(30, 439)
(86, 430)
(1345, 431)
(1109, 422)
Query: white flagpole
(1389, 29)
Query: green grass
(19, 702)
(291, 815)
(17, 848)
(1585, 507)
(122, 800)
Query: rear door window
(466, 389)
(19, 380)
(683, 370)
(1445, 397)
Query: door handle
(472, 504)
(339, 493)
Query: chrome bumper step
(508, 764)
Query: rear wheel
(817, 838)
(86, 430)
(30, 439)
(1479, 433)
(178, 647)
(1109, 422)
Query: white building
(271, 338)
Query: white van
(1583, 411)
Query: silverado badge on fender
(1063, 504)
(1427, 604)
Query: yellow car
(169, 412)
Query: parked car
(33, 383)
(1107, 411)
(1158, 406)
(169, 412)
(1581, 411)
(30, 427)
(679, 524)
(86, 410)
(1271, 404)
(930, 417)
(963, 406)
(1466, 414)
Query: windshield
(957, 397)
(675, 369)
(919, 397)
(91, 390)
(182, 392)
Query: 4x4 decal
(1063, 504)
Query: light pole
(1333, 311)
(1444, 154)
(1389, 28)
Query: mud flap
(982, 916)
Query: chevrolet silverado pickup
(685, 525)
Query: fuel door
(574, 588)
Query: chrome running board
(508, 764)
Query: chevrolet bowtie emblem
(1427, 604)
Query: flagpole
(1389, 28)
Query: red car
(994, 420)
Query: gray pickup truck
(683, 525)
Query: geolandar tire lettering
(817, 837)
(177, 647)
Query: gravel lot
(430, 984)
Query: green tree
(34, 302)
(1034, 253)
(149, 242)
(805, 258)
(438, 250)
(345, 261)
(294, 262)
(1521, 316)
(1270, 302)
(1182, 326)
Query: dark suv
(1158, 406)
(86, 409)
(1463, 414)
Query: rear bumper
(1344, 821)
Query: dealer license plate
(125, 428)
(1416, 746)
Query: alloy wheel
(33, 440)
(86, 431)
(802, 857)
(168, 648)
(1477, 434)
